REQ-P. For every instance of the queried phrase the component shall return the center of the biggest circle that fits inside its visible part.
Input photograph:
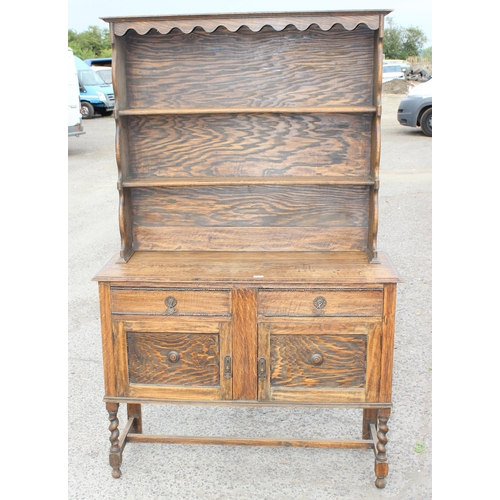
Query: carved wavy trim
(187, 24)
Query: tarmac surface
(154, 471)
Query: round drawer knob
(173, 356)
(319, 302)
(170, 302)
(316, 359)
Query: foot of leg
(115, 453)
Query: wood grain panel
(313, 396)
(249, 145)
(198, 364)
(259, 269)
(251, 206)
(268, 68)
(244, 336)
(267, 239)
(171, 324)
(343, 365)
(338, 303)
(130, 300)
(107, 339)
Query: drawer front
(170, 302)
(321, 303)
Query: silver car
(416, 109)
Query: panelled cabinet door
(173, 358)
(323, 360)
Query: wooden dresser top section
(232, 22)
(252, 269)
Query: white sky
(82, 14)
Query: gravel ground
(152, 471)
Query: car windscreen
(105, 74)
(90, 77)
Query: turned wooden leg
(115, 453)
(134, 411)
(369, 417)
(381, 465)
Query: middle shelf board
(246, 110)
(250, 181)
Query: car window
(391, 69)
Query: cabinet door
(319, 360)
(173, 358)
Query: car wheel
(426, 122)
(87, 110)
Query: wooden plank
(225, 145)
(120, 357)
(337, 303)
(172, 324)
(273, 69)
(249, 404)
(248, 181)
(319, 395)
(387, 354)
(167, 393)
(107, 341)
(184, 302)
(261, 269)
(236, 441)
(248, 110)
(320, 326)
(250, 206)
(244, 336)
(373, 362)
(249, 239)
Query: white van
(75, 124)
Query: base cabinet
(248, 345)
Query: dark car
(416, 109)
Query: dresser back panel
(268, 68)
(250, 218)
(234, 145)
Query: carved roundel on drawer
(170, 302)
(319, 302)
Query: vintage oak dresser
(248, 151)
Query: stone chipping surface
(153, 471)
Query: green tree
(401, 43)
(427, 54)
(94, 42)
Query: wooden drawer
(170, 302)
(321, 303)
